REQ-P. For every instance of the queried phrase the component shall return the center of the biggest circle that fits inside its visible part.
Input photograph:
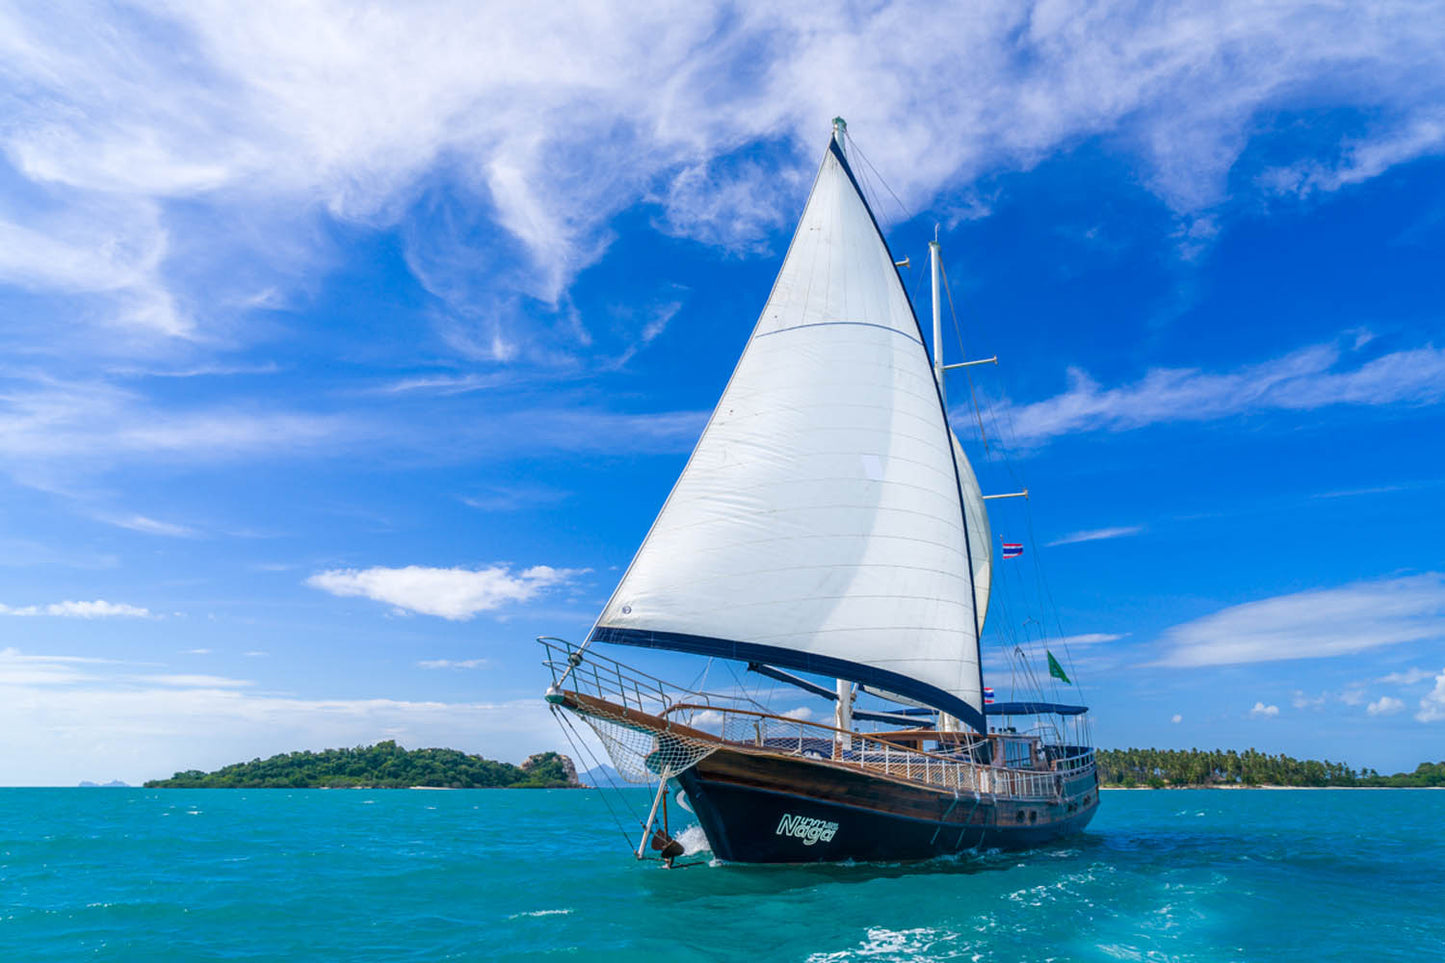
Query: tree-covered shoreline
(382, 766)
(388, 766)
(1162, 768)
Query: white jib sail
(819, 522)
(980, 535)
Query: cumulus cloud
(1385, 706)
(98, 609)
(1097, 534)
(457, 594)
(1313, 377)
(1262, 711)
(1315, 624)
(1432, 707)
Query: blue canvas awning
(1032, 709)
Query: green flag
(1056, 670)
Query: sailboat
(827, 523)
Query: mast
(946, 722)
(843, 706)
(937, 322)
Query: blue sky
(342, 351)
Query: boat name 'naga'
(806, 828)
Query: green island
(1164, 768)
(382, 766)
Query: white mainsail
(819, 524)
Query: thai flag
(987, 696)
(1012, 549)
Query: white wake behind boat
(828, 523)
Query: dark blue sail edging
(801, 661)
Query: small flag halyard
(987, 696)
(1012, 549)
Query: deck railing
(799, 737)
(596, 675)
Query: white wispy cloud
(452, 664)
(1262, 711)
(1097, 534)
(192, 681)
(447, 384)
(19, 669)
(1407, 677)
(151, 526)
(98, 609)
(1315, 624)
(214, 106)
(1312, 377)
(1090, 638)
(47, 425)
(1362, 157)
(57, 435)
(457, 594)
(508, 498)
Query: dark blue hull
(766, 810)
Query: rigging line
(746, 696)
(580, 745)
(699, 681)
(958, 332)
(912, 278)
(1053, 605)
(909, 215)
(566, 724)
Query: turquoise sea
(133, 874)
